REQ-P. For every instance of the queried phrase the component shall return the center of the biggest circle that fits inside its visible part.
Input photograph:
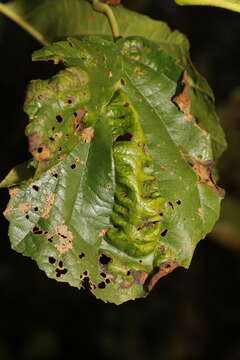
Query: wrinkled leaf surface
(63, 217)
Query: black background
(190, 314)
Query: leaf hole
(35, 187)
(103, 274)
(108, 281)
(104, 259)
(73, 166)
(39, 150)
(51, 260)
(62, 235)
(86, 283)
(178, 202)
(102, 285)
(171, 205)
(58, 272)
(36, 230)
(60, 264)
(59, 118)
(167, 266)
(164, 232)
(124, 137)
(81, 255)
(27, 217)
(36, 208)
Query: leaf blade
(233, 5)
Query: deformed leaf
(123, 153)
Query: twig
(104, 8)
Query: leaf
(123, 189)
(20, 173)
(233, 5)
(174, 43)
(51, 19)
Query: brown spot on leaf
(78, 119)
(183, 100)
(110, 276)
(71, 100)
(203, 132)
(48, 205)
(48, 236)
(65, 239)
(8, 211)
(139, 276)
(138, 71)
(38, 150)
(200, 213)
(62, 157)
(164, 269)
(87, 135)
(204, 173)
(126, 284)
(52, 172)
(13, 192)
(103, 232)
(24, 207)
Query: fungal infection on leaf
(118, 196)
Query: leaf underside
(124, 142)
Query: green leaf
(233, 5)
(124, 142)
(76, 18)
(57, 19)
(20, 173)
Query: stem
(24, 24)
(227, 4)
(104, 8)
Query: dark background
(190, 314)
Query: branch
(105, 9)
